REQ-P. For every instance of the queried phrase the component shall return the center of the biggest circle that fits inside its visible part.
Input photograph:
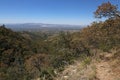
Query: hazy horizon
(70, 12)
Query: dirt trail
(104, 71)
(76, 72)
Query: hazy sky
(79, 12)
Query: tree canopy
(107, 10)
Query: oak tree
(107, 10)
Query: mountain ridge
(42, 26)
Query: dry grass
(80, 70)
(105, 68)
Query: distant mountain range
(42, 26)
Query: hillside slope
(29, 56)
(100, 69)
(103, 41)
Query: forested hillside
(40, 55)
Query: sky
(74, 12)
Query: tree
(65, 39)
(37, 64)
(107, 10)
